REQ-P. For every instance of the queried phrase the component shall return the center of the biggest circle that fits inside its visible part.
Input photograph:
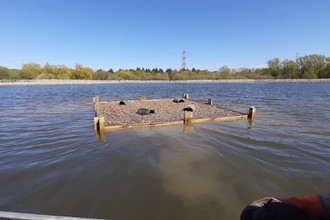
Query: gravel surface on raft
(165, 111)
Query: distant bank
(91, 82)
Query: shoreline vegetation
(92, 82)
(307, 67)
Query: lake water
(52, 163)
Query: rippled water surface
(52, 163)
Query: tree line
(306, 67)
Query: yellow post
(185, 96)
(143, 98)
(252, 113)
(96, 99)
(101, 124)
(188, 116)
(96, 122)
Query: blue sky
(125, 34)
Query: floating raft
(125, 114)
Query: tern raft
(126, 114)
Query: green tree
(82, 72)
(4, 72)
(325, 72)
(154, 70)
(308, 62)
(30, 70)
(180, 76)
(274, 67)
(65, 72)
(124, 74)
(140, 74)
(25, 75)
(224, 72)
(100, 75)
(310, 74)
(47, 68)
(289, 69)
(327, 60)
(46, 76)
(168, 71)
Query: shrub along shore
(307, 67)
(91, 82)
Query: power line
(183, 66)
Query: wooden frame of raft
(99, 122)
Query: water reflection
(251, 123)
(189, 174)
(51, 162)
(100, 135)
(193, 175)
(188, 127)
